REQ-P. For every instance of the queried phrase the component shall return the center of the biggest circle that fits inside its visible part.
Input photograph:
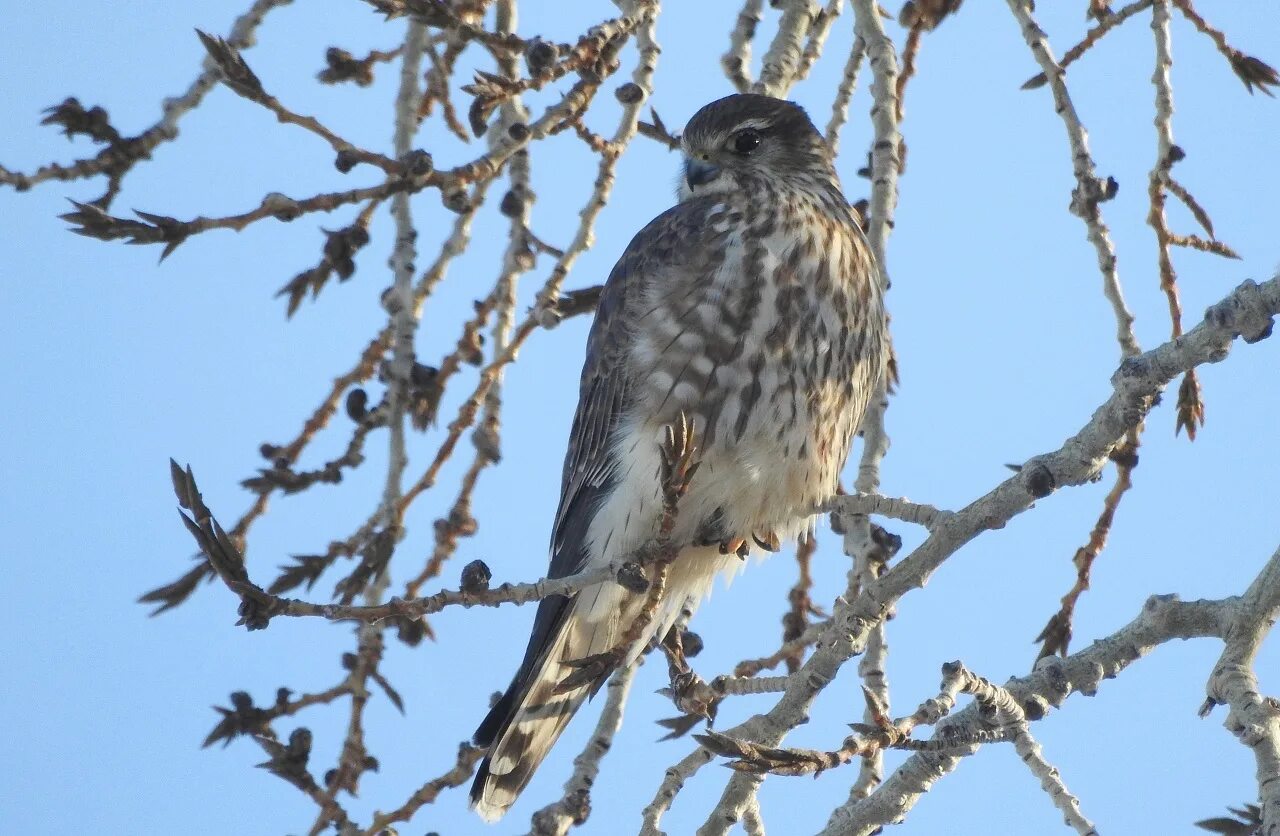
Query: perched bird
(753, 310)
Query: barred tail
(523, 726)
(527, 721)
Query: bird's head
(737, 143)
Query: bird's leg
(672, 647)
(678, 467)
(592, 669)
(712, 531)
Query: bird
(751, 311)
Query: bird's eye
(744, 142)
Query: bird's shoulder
(675, 237)
(685, 241)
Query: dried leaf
(1036, 81)
(235, 72)
(343, 66)
(726, 746)
(93, 222)
(1195, 242)
(74, 119)
(478, 114)
(927, 14)
(289, 761)
(172, 594)
(1056, 636)
(1190, 406)
(306, 569)
(1254, 72)
(374, 557)
(678, 727)
(243, 717)
(1248, 822)
(1179, 191)
(392, 693)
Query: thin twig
(780, 67)
(737, 61)
(1163, 618)
(1090, 190)
(118, 159)
(1091, 37)
(844, 93)
(468, 757)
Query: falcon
(752, 312)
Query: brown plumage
(753, 307)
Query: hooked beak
(699, 173)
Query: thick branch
(1252, 718)
(1246, 313)
(1162, 619)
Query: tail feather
(525, 724)
(527, 721)
(514, 758)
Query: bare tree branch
(522, 89)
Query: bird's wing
(670, 243)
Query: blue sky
(113, 364)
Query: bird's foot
(690, 693)
(679, 459)
(768, 541)
(693, 696)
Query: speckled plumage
(753, 306)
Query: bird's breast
(772, 360)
